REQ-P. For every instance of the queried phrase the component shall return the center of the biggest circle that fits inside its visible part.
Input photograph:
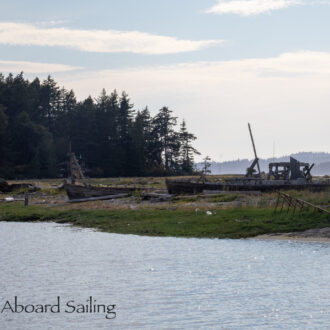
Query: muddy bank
(312, 235)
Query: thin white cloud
(104, 41)
(291, 65)
(250, 7)
(279, 95)
(52, 23)
(34, 67)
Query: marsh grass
(222, 198)
(53, 191)
(221, 223)
(318, 198)
(150, 182)
(219, 198)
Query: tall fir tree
(187, 151)
(164, 124)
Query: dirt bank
(312, 235)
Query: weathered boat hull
(80, 192)
(7, 188)
(188, 187)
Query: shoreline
(320, 235)
(263, 237)
(290, 236)
(232, 216)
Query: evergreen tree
(187, 151)
(62, 125)
(34, 151)
(49, 103)
(3, 140)
(107, 137)
(125, 146)
(164, 124)
(206, 167)
(142, 142)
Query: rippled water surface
(161, 283)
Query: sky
(216, 64)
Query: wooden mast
(256, 159)
(76, 172)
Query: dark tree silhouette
(39, 120)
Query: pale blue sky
(266, 61)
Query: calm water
(162, 283)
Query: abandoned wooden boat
(84, 191)
(75, 191)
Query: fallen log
(79, 200)
(150, 195)
(226, 192)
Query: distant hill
(321, 160)
(322, 169)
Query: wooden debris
(75, 192)
(155, 197)
(294, 203)
(97, 198)
(225, 192)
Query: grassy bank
(222, 223)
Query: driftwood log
(79, 200)
(155, 197)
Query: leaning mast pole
(254, 149)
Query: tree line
(39, 120)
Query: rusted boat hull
(80, 192)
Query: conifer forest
(40, 120)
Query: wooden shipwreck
(282, 176)
(75, 191)
(78, 190)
